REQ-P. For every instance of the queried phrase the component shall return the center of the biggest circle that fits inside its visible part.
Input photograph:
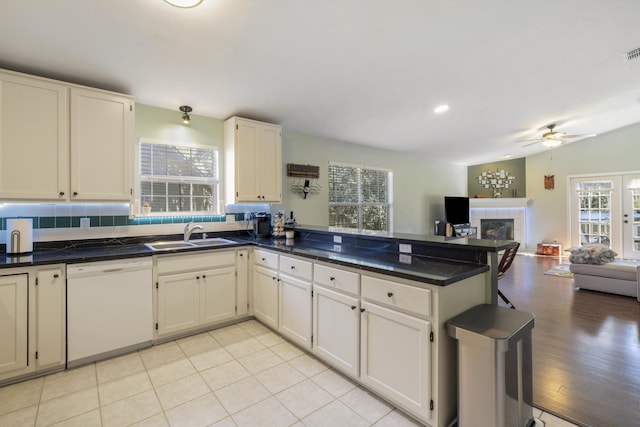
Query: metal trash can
(494, 367)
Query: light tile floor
(240, 375)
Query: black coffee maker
(262, 224)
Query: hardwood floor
(586, 345)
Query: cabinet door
(217, 294)
(295, 310)
(178, 298)
(50, 308)
(270, 156)
(247, 162)
(242, 282)
(336, 325)
(265, 296)
(396, 357)
(34, 134)
(14, 297)
(101, 142)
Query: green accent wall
(515, 167)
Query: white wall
(419, 183)
(616, 151)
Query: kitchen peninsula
(374, 307)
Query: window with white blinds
(178, 179)
(360, 198)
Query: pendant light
(185, 114)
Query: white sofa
(617, 277)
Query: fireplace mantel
(499, 202)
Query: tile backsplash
(63, 221)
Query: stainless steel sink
(166, 246)
(214, 241)
(173, 245)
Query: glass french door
(606, 210)
(631, 216)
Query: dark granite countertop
(432, 270)
(379, 256)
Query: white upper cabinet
(34, 138)
(101, 133)
(63, 142)
(253, 161)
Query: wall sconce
(185, 116)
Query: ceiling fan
(553, 138)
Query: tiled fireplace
(497, 228)
(501, 218)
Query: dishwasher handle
(107, 267)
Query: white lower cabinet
(387, 333)
(294, 300)
(336, 317)
(178, 303)
(396, 357)
(14, 299)
(50, 323)
(217, 295)
(197, 290)
(265, 296)
(336, 329)
(282, 294)
(32, 330)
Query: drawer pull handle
(264, 259)
(389, 294)
(240, 255)
(204, 276)
(293, 267)
(55, 276)
(332, 278)
(197, 277)
(353, 307)
(362, 310)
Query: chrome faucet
(188, 230)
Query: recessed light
(441, 109)
(506, 156)
(185, 4)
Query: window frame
(215, 181)
(360, 204)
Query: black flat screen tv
(456, 209)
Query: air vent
(633, 55)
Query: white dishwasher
(109, 309)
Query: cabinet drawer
(404, 297)
(343, 280)
(195, 261)
(265, 259)
(295, 267)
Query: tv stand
(466, 230)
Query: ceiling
(359, 71)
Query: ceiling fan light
(185, 4)
(551, 143)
